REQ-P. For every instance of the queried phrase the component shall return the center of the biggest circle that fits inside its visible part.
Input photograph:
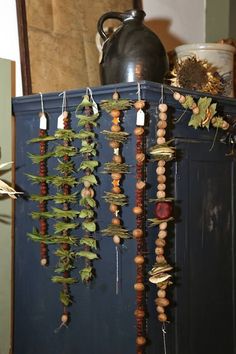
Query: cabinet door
(204, 249)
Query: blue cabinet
(201, 244)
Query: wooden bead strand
(138, 232)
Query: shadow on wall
(161, 27)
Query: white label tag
(60, 122)
(95, 107)
(140, 117)
(43, 122)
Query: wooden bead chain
(159, 273)
(43, 225)
(138, 233)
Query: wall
(176, 22)
(9, 46)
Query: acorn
(113, 208)
(160, 309)
(162, 116)
(162, 302)
(115, 221)
(64, 318)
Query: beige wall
(62, 46)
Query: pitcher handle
(116, 15)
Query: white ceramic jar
(221, 56)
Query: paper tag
(60, 122)
(140, 117)
(95, 107)
(116, 151)
(43, 122)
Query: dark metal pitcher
(133, 52)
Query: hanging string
(162, 94)
(41, 100)
(164, 337)
(117, 270)
(95, 106)
(139, 91)
(61, 325)
(42, 116)
(63, 106)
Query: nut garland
(87, 120)
(159, 274)
(116, 168)
(138, 233)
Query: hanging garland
(159, 274)
(43, 196)
(138, 232)
(116, 168)
(87, 119)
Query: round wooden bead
(225, 125)
(116, 239)
(139, 259)
(161, 178)
(43, 262)
(161, 163)
(160, 170)
(137, 210)
(163, 226)
(139, 104)
(182, 99)
(176, 96)
(161, 293)
(114, 144)
(139, 313)
(139, 286)
(117, 158)
(160, 242)
(162, 234)
(162, 301)
(161, 124)
(116, 176)
(160, 309)
(162, 317)
(161, 186)
(137, 233)
(160, 259)
(115, 113)
(113, 208)
(115, 221)
(195, 110)
(138, 131)
(160, 194)
(161, 132)
(162, 116)
(64, 318)
(162, 107)
(115, 128)
(161, 140)
(159, 251)
(140, 340)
